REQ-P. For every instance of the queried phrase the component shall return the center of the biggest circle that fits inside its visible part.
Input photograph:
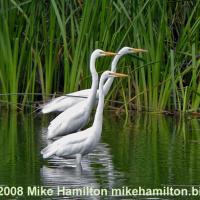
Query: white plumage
(76, 117)
(80, 143)
(69, 121)
(62, 103)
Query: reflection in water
(150, 151)
(156, 150)
(97, 172)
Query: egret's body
(69, 121)
(75, 118)
(81, 143)
(62, 103)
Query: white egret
(62, 103)
(81, 143)
(76, 117)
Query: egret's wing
(52, 102)
(81, 93)
(69, 121)
(64, 102)
(72, 113)
(67, 145)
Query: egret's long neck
(92, 96)
(109, 82)
(98, 119)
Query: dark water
(150, 151)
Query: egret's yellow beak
(139, 50)
(108, 53)
(118, 74)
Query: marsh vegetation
(45, 48)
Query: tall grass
(45, 49)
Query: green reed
(45, 49)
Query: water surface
(149, 151)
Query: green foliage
(45, 48)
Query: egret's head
(129, 50)
(108, 74)
(99, 53)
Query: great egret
(62, 103)
(81, 143)
(76, 117)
